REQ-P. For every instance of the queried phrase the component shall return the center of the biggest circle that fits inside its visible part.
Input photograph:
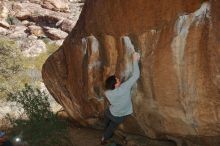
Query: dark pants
(111, 123)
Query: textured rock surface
(33, 47)
(36, 30)
(36, 13)
(58, 5)
(55, 34)
(4, 24)
(23, 28)
(18, 32)
(178, 94)
(3, 10)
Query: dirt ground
(85, 136)
(90, 137)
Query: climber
(119, 96)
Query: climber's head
(112, 82)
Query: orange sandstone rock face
(178, 93)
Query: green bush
(13, 20)
(15, 68)
(10, 65)
(8, 50)
(41, 127)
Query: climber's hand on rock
(136, 56)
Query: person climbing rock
(119, 96)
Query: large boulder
(178, 93)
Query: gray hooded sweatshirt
(120, 98)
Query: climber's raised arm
(135, 74)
